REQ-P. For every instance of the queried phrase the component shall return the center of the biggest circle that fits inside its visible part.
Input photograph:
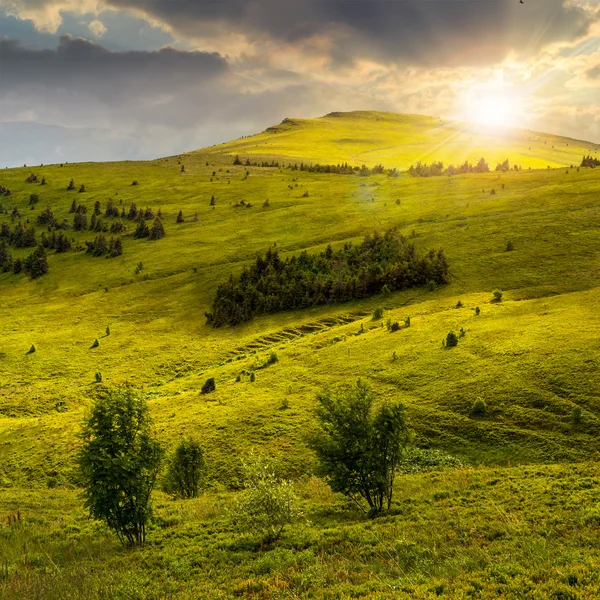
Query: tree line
(381, 262)
(436, 168)
(590, 161)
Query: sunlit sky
(87, 80)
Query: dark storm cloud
(419, 32)
(81, 63)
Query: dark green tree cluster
(32, 179)
(341, 169)
(158, 231)
(590, 161)
(6, 259)
(111, 210)
(101, 247)
(56, 241)
(46, 217)
(4, 191)
(504, 167)
(437, 168)
(36, 264)
(21, 236)
(355, 271)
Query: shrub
(510, 246)
(377, 314)
(134, 182)
(477, 311)
(252, 377)
(395, 327)
(451, 340)
(82, 189)
(209, 386)
(96, 343)
(479, 408)
(98, 377)
(186, 470)
(497, 296)
(358, 449)
(268, 503)
(34, 199)
(36, 264)
(459, 304)
(118, 463)
(31, 350)
(180, 217)
(107, 330)
(273, 358)
(431, 285)
(71, 185)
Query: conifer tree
(142, 230)
(158, 231)
(180, 217)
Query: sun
(492, 105)
(496, 111)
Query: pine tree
(158, 231)
(180, 217)
(142, 230)
(73, 208)
(97, 210)
(71, 185)
(36, 264)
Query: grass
(485, 533)
(532, 358)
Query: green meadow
(519, 521)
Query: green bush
(32, 349)
(209, 386)
(119, 462)
(98, 377)
(451, 340)
(497, 296)
(479, 408)
(377, 314)
(96, 343)
(477, 311)
(268, 503)
(186, 471)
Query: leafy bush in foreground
(268, 503)
(119, 462)
(359, 448)
(272, 285)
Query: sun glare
(497, 111)
(492, 105)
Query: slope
(400, 140)
(532, 357)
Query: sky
(138, 79)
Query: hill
(532, 357)
(399, 140)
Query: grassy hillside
(504, 533)
(398, 140)
(533, 358)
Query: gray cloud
(435, 32)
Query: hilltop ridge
(400, 140)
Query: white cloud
(97, 28)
